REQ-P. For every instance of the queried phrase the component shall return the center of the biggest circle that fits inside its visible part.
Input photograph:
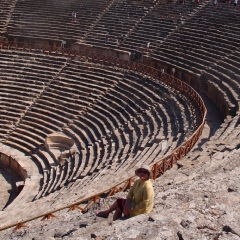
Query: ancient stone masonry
(89, 142)
(84, 102)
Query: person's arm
(147, 196)
(127, 206)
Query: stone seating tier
(6, 7)
(92, 25)
(124, 104)
(159, 24)
(58, 16)
(111, 144)
(201, 51)
(22, 92)
(220, 91)
(51, 122)
(118, 19)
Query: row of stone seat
(49, 114)
(159, 24)
(23, 85)
(227, 72)
(53, 19)
(147, 154)
(201, 51)
(88, 169)
(5, 13)
(119, 19)
(130, 119)
(227, 134)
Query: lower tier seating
(116, 118)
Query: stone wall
(14, 165)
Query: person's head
(144, 172)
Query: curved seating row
(53, 20)
(23, 78)
(226, 137)
(117, 119)
(226, 73)
(113, 116)
(159, 24)
(119, 19)
(5, 11)
(149, 152)
(206, 51)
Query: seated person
(139, 199)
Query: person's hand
(127, 210)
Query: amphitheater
(85, 102)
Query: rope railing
(161, 165)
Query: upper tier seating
(159, 24)
(206, 44)
(120, 18)
(101, 26)
(210, 44)
(5, 13)
(52, 19)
